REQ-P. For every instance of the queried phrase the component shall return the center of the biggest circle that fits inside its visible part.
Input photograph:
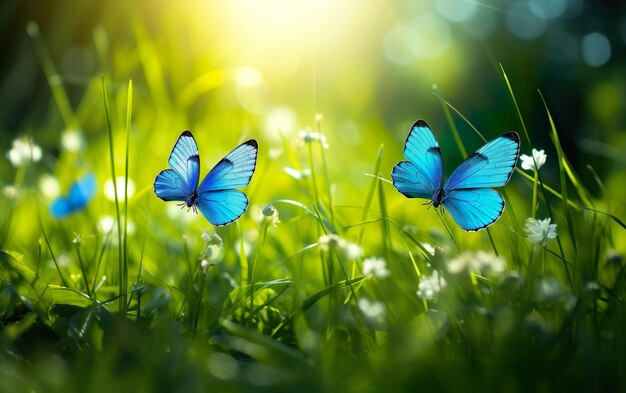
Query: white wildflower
(49, 186)
(488, 263)
(212, 240)
(461, 263)
(269, 215)
(296, 174)
(548, 290)
(375, 267)
(351, 251)
(72, 140)
(107, 224)
(429, 248)
(109, 188)
(330, 241)
(371, 309)
(538, 157)
(10, 191)
(347, 250)
(479, 262)
(430, 286)
(309, 136)
(24, 151)
(539, 231)
(204, 265)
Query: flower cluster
(539, 232)
(430, 286)
(346, 249)
(309, 136)
(24, 151)
(375, 267)
(479, 262)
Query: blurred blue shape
(81, 192)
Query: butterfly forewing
(184, 160)
(422, 174)
(490, 166)
(233, 171)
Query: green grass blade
(561, 159)
(107, 117)
(52, 76)
(370, 193)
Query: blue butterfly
(216, 196)
(466, 193)
(77, 198)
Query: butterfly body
(216, 196)
(467, 193)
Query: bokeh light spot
(482, 24)
(455, 10)
(249, 77)
(523, 23)
(548, 9)
(595, 49)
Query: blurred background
(230, 70)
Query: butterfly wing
(61, 207)
(218, 200)
(179, 182)
(81, 192)
(474, 209)
(422, 174)
(489, 166)
(222, 207)
(233, 171)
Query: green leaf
(33, 289)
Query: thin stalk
(82, 269)
(129, 110)
(372, 190)
(448, 229)
(107, 115)
(255, 261)
(52, 76)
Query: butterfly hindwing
(490, 166)
(222, 207)
(233, 171)
(474, 209)
(422, 174)
(169, 186)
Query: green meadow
(331, 280)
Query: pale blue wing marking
(474, 209)
(222, 207)
(490, 166)
(184, 160)
(233, 171)
(422, 175)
